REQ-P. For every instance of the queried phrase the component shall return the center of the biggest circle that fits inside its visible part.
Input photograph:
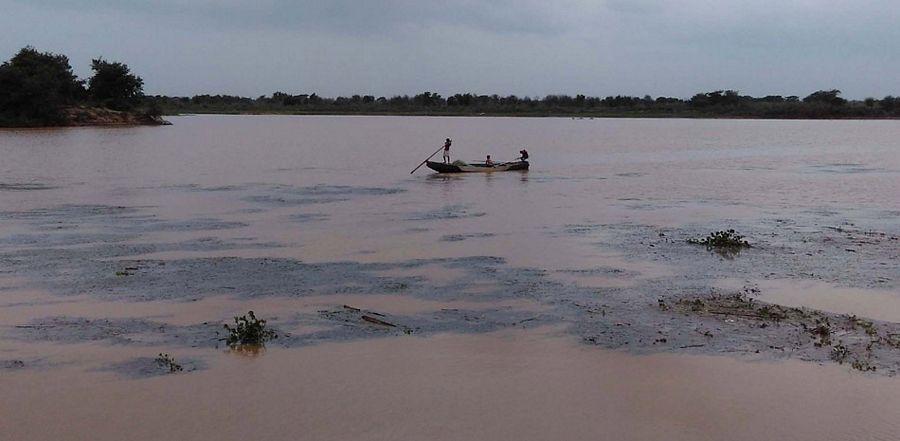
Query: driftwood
(369, 318)
(376, 321)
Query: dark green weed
(248, 330)
(166, 361)
(722, 239)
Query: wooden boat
(462, 167)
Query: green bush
(722, 239)
(248, 330)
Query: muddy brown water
(527, 301)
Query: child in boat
(447, 151)
(488, 161)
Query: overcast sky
(526, 47)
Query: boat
(463, 167)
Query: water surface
(521, 298)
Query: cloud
(524, 47)
(336, 16)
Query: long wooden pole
(426, 160)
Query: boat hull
(441, 167)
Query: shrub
(248, 330)
(722, 239)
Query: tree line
(37, 88)
(721, 103)
(40, 89)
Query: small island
(39, 89)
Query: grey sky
(525, 47)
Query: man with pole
(447, 151)
(445, 148)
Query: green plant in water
(862, 365)
(248, 330)
(893, 340)
(662, 304)
(840, 353)
(822, 331)
(167, 362)
(722, 239)
(772, 312)
(868, 326)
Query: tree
(114, 86)
(35, 87)
(717, 98)
(830, 97)
(890, 104)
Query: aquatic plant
(727, 238)
(248, 330)
(722, 239)
(726, 244)
(866, 325)
(863, 365)
(662, 304)
(168, 362)
(822, 331)
(773, 312)
(840, 353)
(892, 340)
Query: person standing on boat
(524, 155)
(488, 161)
(447, 150)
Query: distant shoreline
(623, 115)
(84, 116)
(720, 104)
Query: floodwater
(527, 305)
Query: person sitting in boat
(488, 161)
(447, 150)
(524, 155)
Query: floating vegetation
(866, 325)
(840, 353)
(822, 331)
(662, 304)
(722, 239)
(863, 365)
(813, 331)
(165, 361)
(248, 330)
(727, 244)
